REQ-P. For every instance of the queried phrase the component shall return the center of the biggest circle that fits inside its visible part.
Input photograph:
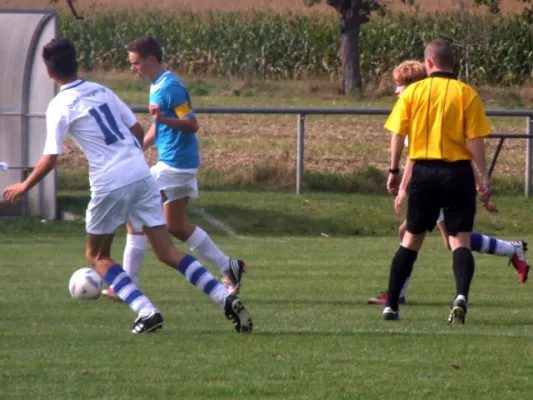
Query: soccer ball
(85, 284)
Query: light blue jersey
(175, 148)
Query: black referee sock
(463, 270)
(400, 270)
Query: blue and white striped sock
(490, 245)
(123, 286)
(197, 275)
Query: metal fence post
(302, 112)
(529, 155)
(300, 153)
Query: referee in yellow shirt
(446, 124)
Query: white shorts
(175, 183)
(139, 202)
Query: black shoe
(235, 311)
(390, 315)
(147, 324)
(232, 277)
(458, 312)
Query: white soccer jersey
(98, 122)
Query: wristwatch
(394, 171)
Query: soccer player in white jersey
(174, 135)
(122, 187)
(404, 74)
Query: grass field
(313, 260)
(314, 338)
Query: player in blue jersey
(174, 134)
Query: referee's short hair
(440, 51)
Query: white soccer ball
(85, 284)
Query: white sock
(491, 245)
(124, 287)
(201, 244)
(134, 255)
(504, 248)
(219, 295)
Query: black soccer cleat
(390, 315)
(237, 314)
(151, 323)
(458, 312)
(232, 277)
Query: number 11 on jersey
(110, 135)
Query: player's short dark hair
(146, 46)
(441, 52)
(59, 56)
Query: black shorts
(438, 184)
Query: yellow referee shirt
(439, 114)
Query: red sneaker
(519, 259)
(382, 299)
(379, 300)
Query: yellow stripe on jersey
(183, 109)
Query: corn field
(490, 50)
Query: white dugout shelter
(25, 91)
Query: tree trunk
(350, 27)
(351, 68)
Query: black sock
(463, 270)
(400, 270)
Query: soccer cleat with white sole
(458, 312)
(147, 324)
(237, 314)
